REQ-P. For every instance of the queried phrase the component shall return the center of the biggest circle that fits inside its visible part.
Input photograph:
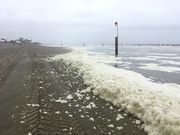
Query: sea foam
(157, 105)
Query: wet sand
(31, 86)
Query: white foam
(61, 100)
(137, 121)
(92, 119)
(33, 105)
(141, 58)
(163, 54)
(85, 90)
(57, 112)
(69, 97)
(164, 57)
(119, 128)
(111, 125)
(119, 117)
(29, 133)
(91, 105)
(153, 66)
(157, 105)
(170, 62)
(175, 58)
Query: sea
(159, 63)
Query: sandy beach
(41, 96)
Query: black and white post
(116, 40)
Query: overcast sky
(91, 21)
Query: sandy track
(29, 94)
(7, 62)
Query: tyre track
(7, 66)
(43, 115)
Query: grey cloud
(91, 20)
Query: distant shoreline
(106, 44)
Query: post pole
(116, 41)
(116, 46)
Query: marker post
(116, 40)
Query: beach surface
(46, 97)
